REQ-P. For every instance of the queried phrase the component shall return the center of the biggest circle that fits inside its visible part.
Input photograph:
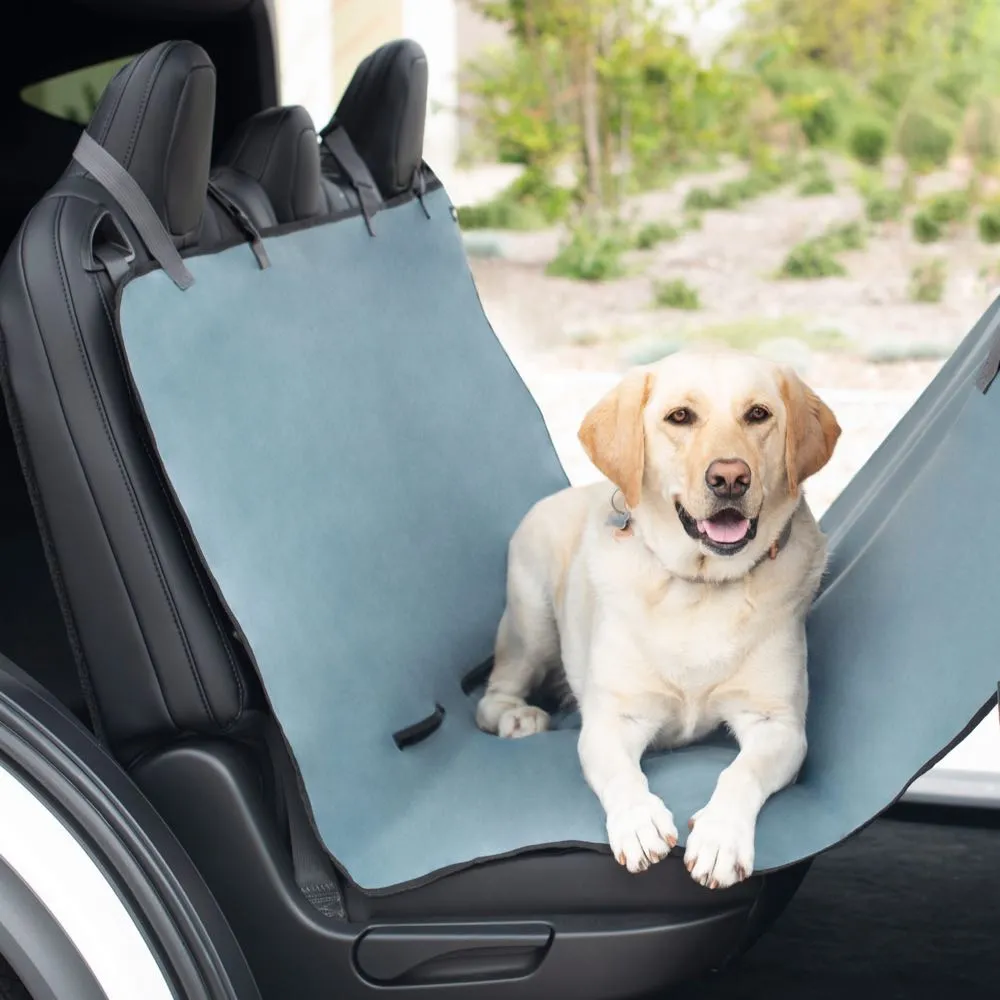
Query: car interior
(107, 599)
(134, 641)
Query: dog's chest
(694, 635)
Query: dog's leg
(527, 646)
(720, 848)
(641, 828)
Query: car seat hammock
(351, 450)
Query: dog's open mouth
(726, 532)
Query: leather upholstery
(393, 80)
(155, 643)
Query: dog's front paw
(720, 848)
(524, 720)
(641, 833)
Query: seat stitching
(72, 439)
(129, 487)
(182, 534)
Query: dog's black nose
(728, 477)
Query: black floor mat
(905, 911)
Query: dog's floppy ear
(811, 430)
(613, 437)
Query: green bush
(676, 294)
(847, 236)
(500, 213)
(693, 220)
(927, 281)
(817, 183)
(926, 229)
(883, 205)
(892, 87)
(534, 189)
(699, 199)
(591, 253)
(958, 86)
(949, 207)
(989, 224)
(653, 233)
(532, 201)
(811, 259)
(819, 120)
(868, 142)
(924, 139)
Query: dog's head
(723, 438)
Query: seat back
(155, 648)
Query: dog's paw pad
(524, 720)
(720, 849)
(641, 833)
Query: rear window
(73, 96)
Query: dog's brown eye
(757, 414)
(680, 416)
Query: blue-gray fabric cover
(352, 450)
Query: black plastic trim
(155, 878)
(37, 948)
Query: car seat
(142, 564)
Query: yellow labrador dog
(674, 597)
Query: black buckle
(243, 221)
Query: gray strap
(342, 150)
(122, 186)
(313, 869)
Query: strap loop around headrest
(124, 189)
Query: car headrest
(156, 118)
(383, 111)
(277, 149)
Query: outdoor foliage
(883, 205)
(926, 229)
(653, 233)
(818, 258)
(676, 294)
(989, 224)
(869, 141)
(591, 252)
(927, 280)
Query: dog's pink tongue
(725, 532)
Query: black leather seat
(170, 687)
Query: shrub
(591, 253)
(812, 259)
(883, 205)
(847, 236)
(534, 189)
(532, 201)
(653, 233)
(925, 140)
(692, 220)
(868, 142)
(676, 294)
(892, 87)
(817, 116)
(699, 199)
(500, 213)
(927, 281)
(948, 207)
(989, 224)
(817, 183)
(926, 229)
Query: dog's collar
(620, 520)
